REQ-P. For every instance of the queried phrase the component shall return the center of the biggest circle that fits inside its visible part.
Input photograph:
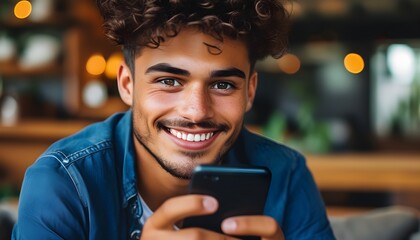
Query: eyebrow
(165, 67)
(230, 72)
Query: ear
(125, 84)
(252, 89)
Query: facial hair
(181, 171)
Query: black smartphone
(240, 190)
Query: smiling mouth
(191, 137)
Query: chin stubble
(181, 172)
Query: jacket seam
(76, 186)
(73, 157)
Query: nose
(196, 104)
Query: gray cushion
(415, 236)
(391, 223)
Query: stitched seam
(71, 177)
(86, 151)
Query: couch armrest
(390, 223)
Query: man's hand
(263, 226)
(161, 225)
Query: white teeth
(197, 137)
(191, 137)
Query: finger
(178, 208)
(201, 234)
(262, 226)
(188, 233)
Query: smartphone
(240, 190)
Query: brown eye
(222, 85)
(170, 82)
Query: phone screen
(240, 190)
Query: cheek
(158, 101)
(155, 104)
(233, 109)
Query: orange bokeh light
(112, 65)
(354, 63)
(23, 9)
(96, 65)
(289, 64)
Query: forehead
(194, 49)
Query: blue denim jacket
(84, 187)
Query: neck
(155, 185)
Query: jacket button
(135, 235)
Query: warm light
(95, 93)
(333, 7)
(289, 64)
(112, 65)
(23, 9)
(354, 63)
(402, 63)
(96, 64)
(294, 8)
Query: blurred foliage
(312, 136)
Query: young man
(189, 78)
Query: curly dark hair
(133, 24)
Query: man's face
(189, 100)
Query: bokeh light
(95, 93)
(289, 64)
(354, 63)
(96, 65)
(112, 65)
(23, 9)
(401, 62)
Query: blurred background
(347, 93)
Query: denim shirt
(84, 187)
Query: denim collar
(125, 149)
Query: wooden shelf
(368, 172)
(111, 106)
(41, 130)
(55, 20)
(334, 211)
(12, 69)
